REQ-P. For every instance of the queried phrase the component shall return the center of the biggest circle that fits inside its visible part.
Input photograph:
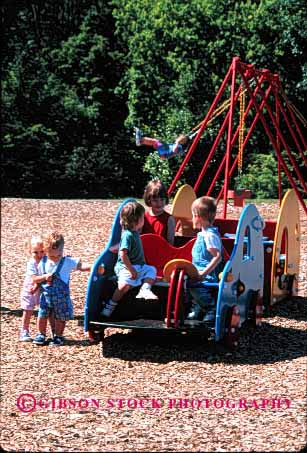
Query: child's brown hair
(131, 214)
(53, 241)
(205, 207)
(155, 189)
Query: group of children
(131, 269)
(48, 271)
(47, 284)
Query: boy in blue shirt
(206, 255)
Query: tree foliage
(78, 75)
(261, 177)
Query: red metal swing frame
(267, 88)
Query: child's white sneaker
(146, 293)
(108, 309)
(25, 336)
(195, 313)
(138, 136)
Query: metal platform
(197, 327)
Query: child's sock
(109, 307)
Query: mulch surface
(144, 394)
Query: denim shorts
(56, 299)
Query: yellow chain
(241, 131)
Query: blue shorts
(166, 151)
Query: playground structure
(238, 293)
(280, 241)
(268, 105)
(266, 96)
(261, 259)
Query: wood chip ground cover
(146, 394)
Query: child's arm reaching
(42, 278)
(216, 254)
(84, 267)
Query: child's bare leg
(52, 322)
(42, 325)
(151, 281)
(120, 292)
(153, 142)
(25, 320)
(59, 327)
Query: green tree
(77, 77)
(261, 177)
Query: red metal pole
(217, 174)
(293, 118)
(214, 146)
(291, 130)
(229, 137)
(292, 160)
(233, 142)
(196, 140)
(178, 296)
(277, 111)
(170, 297)
(284, 166)
(247, 135)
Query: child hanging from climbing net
(165, 150)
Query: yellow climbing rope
(241, 131)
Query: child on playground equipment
(131, 268)
(53, 276)
(29, 296)
(206, 255)
(165, 150)
(157, 220)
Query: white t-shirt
(70, 264)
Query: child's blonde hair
(53, 241)
(205, 207)
(131, 214)
(32, 242)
